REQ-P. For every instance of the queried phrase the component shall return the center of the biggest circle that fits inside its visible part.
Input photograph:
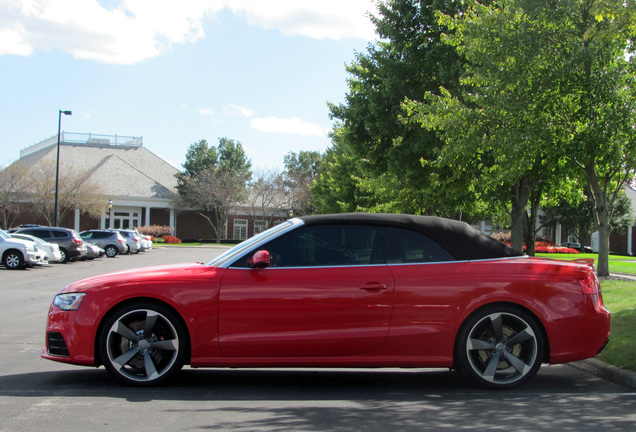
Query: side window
(412, 247)
(60, 234)
(327, 245)
(88, 235)
(42, 233)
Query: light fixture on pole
(57, 168)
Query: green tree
(214, 180)
(383, 151)
(578, 218)
(301, 170)
(557, 79)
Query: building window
(547, 233)
(240, 229)
(259, 226)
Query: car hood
(158, 275)
(13, 242)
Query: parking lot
(36, 394)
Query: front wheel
(143, 344)
(500, 347)
(13, 260)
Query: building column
(102, 219)
(173, 227)
(629, 240)
(147, 218)
(557, 235)
(77, 220)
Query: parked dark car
(111, 241)
(72, 247)
(577, 246)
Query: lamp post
(110, 213)
(57, 168)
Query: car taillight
(590, 285)
(77, 242)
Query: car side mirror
(260, 259)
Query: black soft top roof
(460, 239)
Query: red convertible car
(350, 290)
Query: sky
(260, 72)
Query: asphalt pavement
(37, 394)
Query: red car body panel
(404, 315)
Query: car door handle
(373, 286)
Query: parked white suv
(17, 253)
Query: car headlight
(69, 301)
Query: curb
(606, 371)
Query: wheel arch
(532, 314)
(5, 253)
(152, 300)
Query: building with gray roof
(136, 185)
(133, 187)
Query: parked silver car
(16, 253)
(132, 240)
(112, 242)
(52, 250)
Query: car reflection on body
(352, 290)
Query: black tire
(64, 256)
(13, 259)
(111, 251)
(500, 347)
(143, 344)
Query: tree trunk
(519, 193)
(603, 215)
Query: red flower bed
(548, 247)
(171, 240)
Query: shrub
(155, 230)
(171, 240)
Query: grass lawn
(620, 299)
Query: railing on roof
(85, 138)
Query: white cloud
(294, 126)
(325, 19)
(206, 112)
(12, 41)
(237, 110)
(131, 31)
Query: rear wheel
(111, 251)
(500, 347)
(63, 256)
(143, 344)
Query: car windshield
(4, 235)
(242, 247)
